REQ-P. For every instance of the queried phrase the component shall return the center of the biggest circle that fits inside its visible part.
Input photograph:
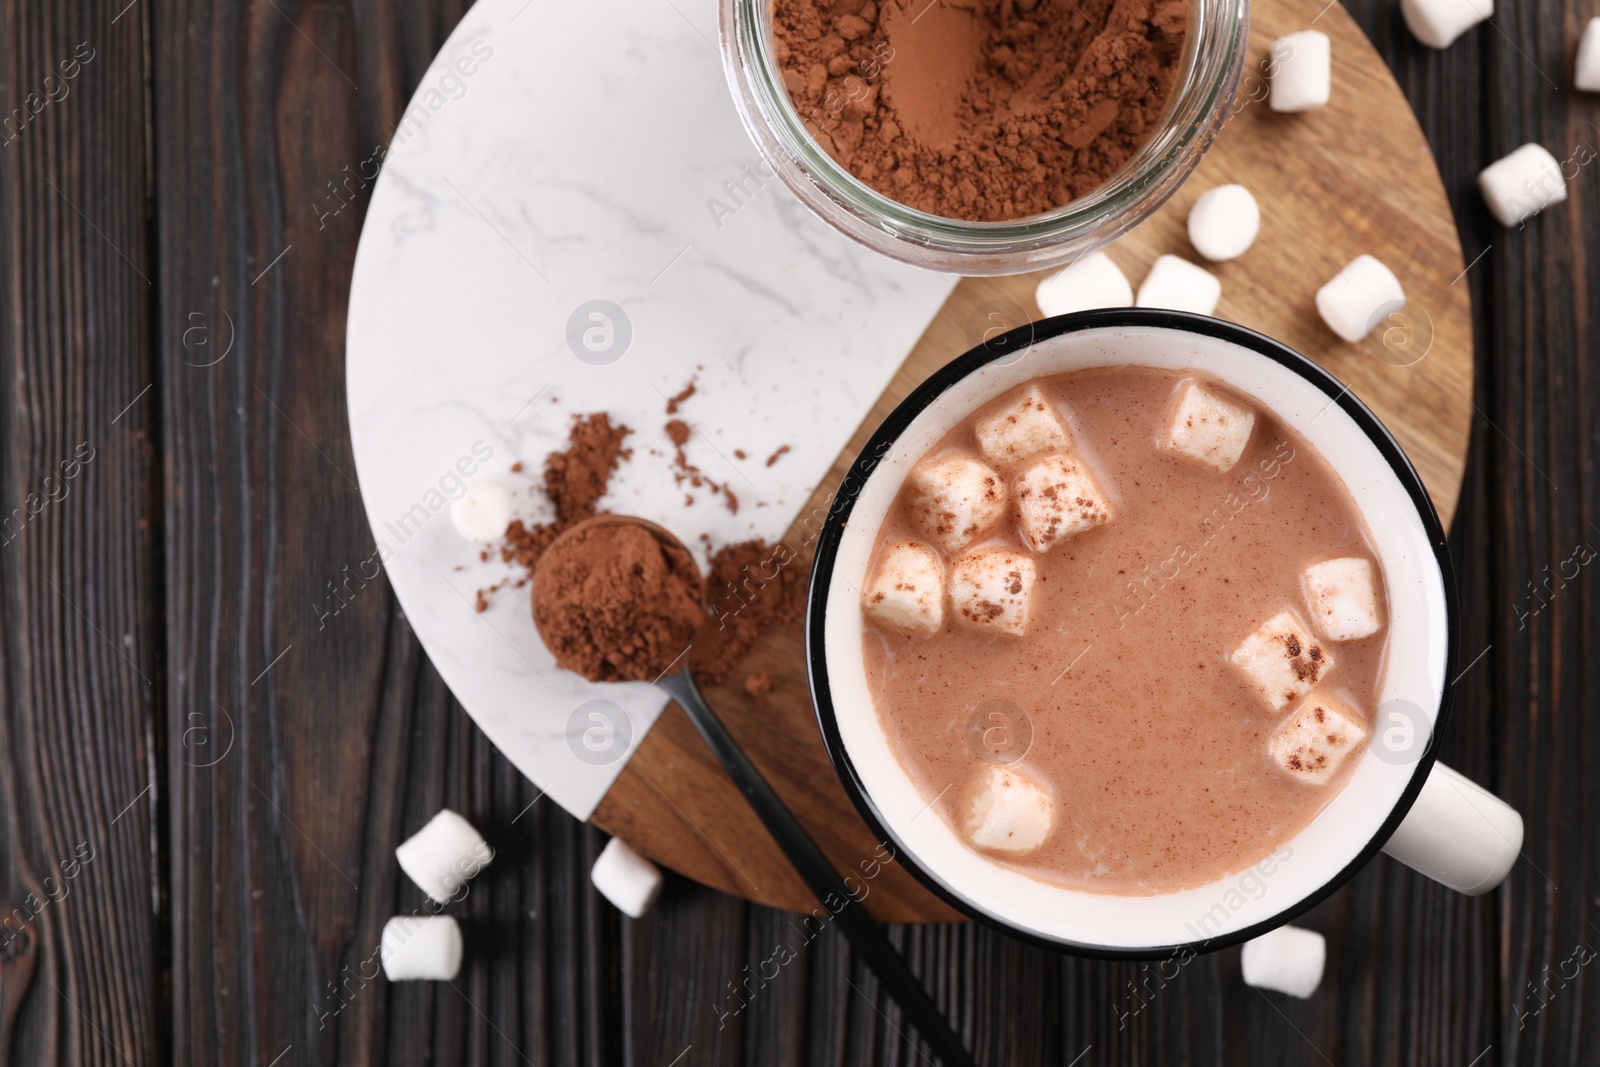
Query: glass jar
(1212, 61)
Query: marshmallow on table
(1522, 184)
(1178, 285)
(443, 855)
(1303, 74)
(993, 587)
(1311, 743)
(482, 513)
(421, 947)
(1286, 960)
(626, 878)
(1437, 23)
(955, 499)
(1058, 497)
(1091, 282)
(1007, 811)
(907, 592)
(1224, 222)
(1586, 76)
(1344, 598)
(1359, 297)
(1026, 425)
(1209, 428)
(1282, 660)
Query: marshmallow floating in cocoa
(1359, 297)
(1007, 811)
(1343, 595)
(1313, 742)
(1522, 184)
(1178, 285)
(1057, 497)
(421, 948)
(1586, 73)
(1089, 283)
(907, 591)
(993, 588)
(1303, 76)
(1224, 222)
(1028, 424)
(1286, 960)
(956, 499)
(482, 513)
(1209, 428)
(1281, 660)
(1437, 23)
(626, 878)
(444, 855)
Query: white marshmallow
(1058, 497)
(1209, 428)
(1224, 222)
(956, 499)
(1303, 76)
(482, 513)
(1007, 811)
(443, 855)
(1286, 960)
(993, 587)
(907, 592)
(1437, 23)
(1088, 283)
(1026, 425)
(1282, 660)
(1522, 184)
(1586, 75)
(421, 947)
(1343, 596)
(626, 878)
(1178, 285)
(1312, 742)
(1359, 297)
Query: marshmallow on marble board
(956, 499)
(993, 588)
(1311, 744)
(443, 855)
(1586, 74)
(626, 878)
(1286, 960)
(907, 591)
(1007, 811)
(1029, 423)
(1359, 297)
(1343, 596)
(1522, 184)
(1282, 660)
(482, 513)
(1057, 497)
(1178, 285)
(421, 948)
(1209, 428)
(1091, 282)
(1302, 77)
(1437, 23)
(1224, 222)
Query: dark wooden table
(202, 787)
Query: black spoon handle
(865, 935)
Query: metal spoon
(813, 866)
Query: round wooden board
(1356, 176)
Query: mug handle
(1458, 833)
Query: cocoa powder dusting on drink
(980, 109)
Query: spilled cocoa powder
(984, 110)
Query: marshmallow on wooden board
(907, 591)
(993, 588)
(421, 948)
(1437, 23)
(1343, 596)
(1522, 184)
(626, 878)
(482, 513)
(1586, 73)
(1058, 497)
(1028, 424)
(1178, 285)
(1302, 78)
(1209, 428)
(1007, 811)
(955, 499)
(1359, 297)
(1224, 222)
(1286, 960)
(1311, 743)
(443, 855)
(1282, 660)
(1091, 282)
